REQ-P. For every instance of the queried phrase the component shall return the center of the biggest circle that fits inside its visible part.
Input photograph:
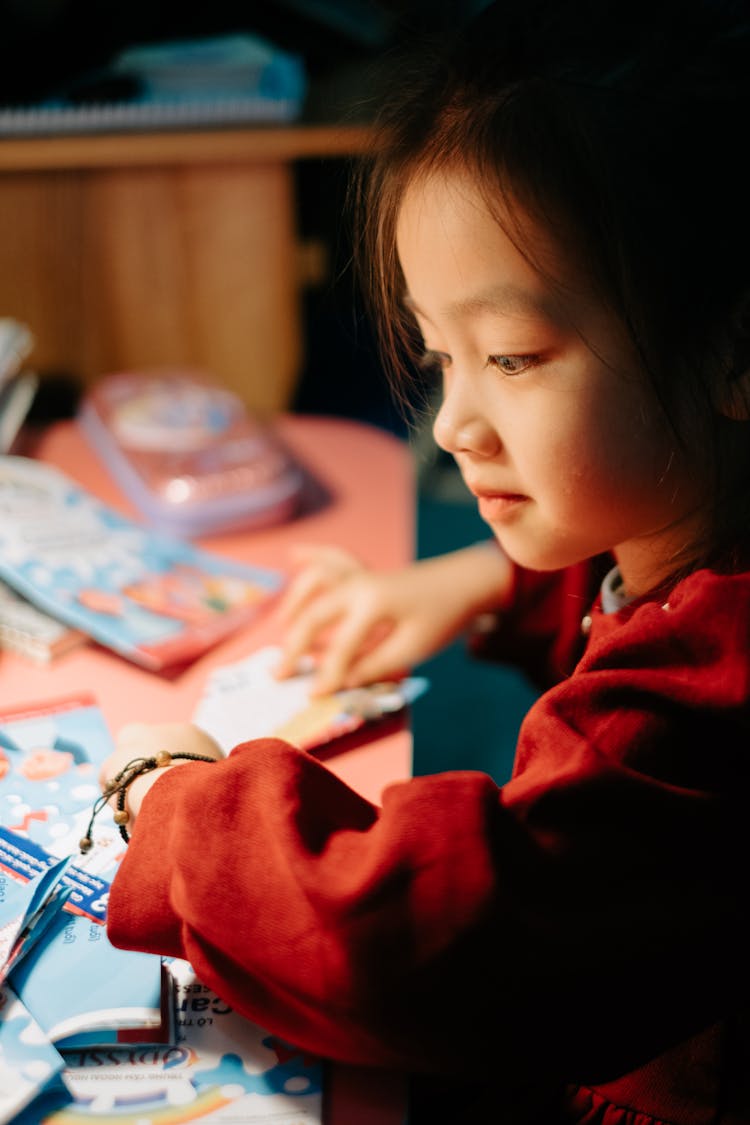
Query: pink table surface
(369, 509)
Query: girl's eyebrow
(503, 300)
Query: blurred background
(65, 49)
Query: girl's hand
(145, 740)
(367, 626)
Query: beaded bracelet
(119, 785)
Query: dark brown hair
(620, 129)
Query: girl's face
(553, 426)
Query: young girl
(557, 212)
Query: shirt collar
(613, 593)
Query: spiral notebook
(39, 120)
(212, 81)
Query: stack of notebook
(17, 385)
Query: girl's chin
(532, 555)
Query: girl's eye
(512, 364)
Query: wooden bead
(84, 844)
(121, 816)
(163, 758)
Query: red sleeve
(540, 631)
(581, 917)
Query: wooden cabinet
(156, 249)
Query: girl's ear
(735, 397)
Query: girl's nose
(460, 425)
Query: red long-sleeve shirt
(584, 923)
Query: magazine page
(50, 755)
(244, 700)
(154, 599)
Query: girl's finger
(389, 660)
(338, 662)
(303, 632)
(302, 590)
(324, 567)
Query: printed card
(244, 700)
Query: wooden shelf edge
(188, 146)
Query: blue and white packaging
(29, 1065)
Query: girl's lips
(495, 505)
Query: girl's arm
(366, 625)
(146, 740)
(462, 928)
